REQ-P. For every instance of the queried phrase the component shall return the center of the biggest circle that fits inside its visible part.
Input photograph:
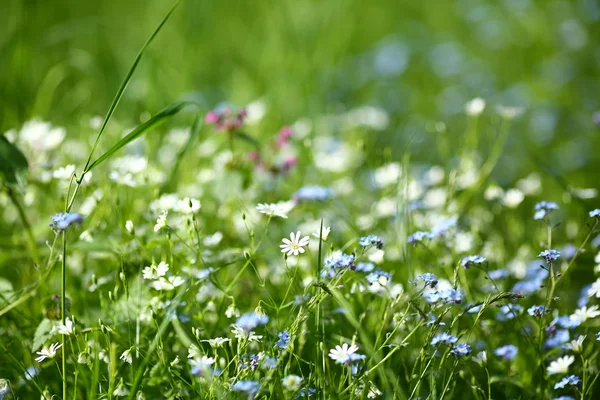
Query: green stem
(64, 312)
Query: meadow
(299, 199)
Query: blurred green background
(63, 60)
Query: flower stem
(64, 312)
(21, 210)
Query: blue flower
(338, 262)
(559, 338)
(472, 260)
(550, 255)
(270, 362)
(304, 393)
(508, 311)
(365, 267)
(418, 237)
(250, 321)
(598, 336)
(444, 338)
(583, 296)
(565, 322)
(250, 387)
(461, 350)
(498, 274)
(595, 213)
(570, 380)
(451, 296)
(371, 240)
(564, 398)
(536, 311)
(544, 208)
(284, 340)
(379, 277)
(428, 279)
(312, 193)
(60, 222)
(508, 352)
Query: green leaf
(6, 291)
(13, 164)
(42, 334)
(141, 129)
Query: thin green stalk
(63, 313)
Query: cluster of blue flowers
(312, 193)
(444, 338)
(379, 276)
(544, 208)
(371, 240)
(284, 340)
(333, 264)
(508, 352)
(570, 380)
(428, 279)
(418, 237)
(550, 255)
(249, 321)
(446, 296)
(536, 311)
(62, 221)
(472, 260)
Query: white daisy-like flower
(202, 362)
(129, 226)
(595, 289)
(48, 352)
(168, 284)
(341, 354)
(155, 271)
(126, 356)
(583, 314)
(294, 245)
(561, 365)
(240, 334)
(194, 351)
(217, 342)
(325, 235)
(291, 383)
(475, 107)
(280, 209)
(161, 222)
(480, 358)
(67, 328)
(576, 345)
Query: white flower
(291, 383)
(325, 236)
(161, 222)
(341, 354)
(513, 198)
(217, 342)
(155, 271)
(560, 366)
(241, 334)
(576, 345)
(67, 328)
(294, 245)
(280, 209)
(475, 107)
(129, 226)
(194, 351)
(168, 284)
(509, 112)
(202, 362)
(595, 289)
(48, 352)
(188, 205)
(583, 314)
(121, 390)
(232, 311)
(126, 356)
(213, 240)
(64, 173)
(481, 358)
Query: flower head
(291, 383)
(472, 260)
(428, 279)
(481, 358)
(280, 209)
(576, 345)
(284, 340)
(161, 221)
(561, 365)
(508, 352)
(250, 321)
(155, 271)
(67, 328)
(475, 107)
(570, 380)
(371, 240)
(461, 350)
(323, 236)
(550, 255)
(294, 245)
(544, 208)
(249, 387)
(345, 354)
(48, 352)
(444, 338)
(536, 311)
(595, 213)
(61, 221)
